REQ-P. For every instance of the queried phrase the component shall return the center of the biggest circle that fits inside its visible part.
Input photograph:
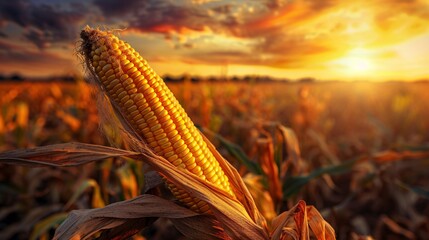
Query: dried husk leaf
(97, 200)
(82, 224)
(269, 166)
(301, 222)
(232, 214)
(62, 155)
(320, 228)
(291, 144)
(263, 198)
(200, 227)
(391, 156)
(239, 187)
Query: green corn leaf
(236, 151)
(293, 185)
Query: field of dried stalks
(358, 152)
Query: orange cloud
(16, 59)
(288, 35)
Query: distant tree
(195, 79)
(307, 80)
(68, 78)
(168, 78)
(16, 77)
(248, 78)
(212, 79)
(236, 79)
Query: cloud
(288, 60)
(277, 33)
(406, 19)
(162, 17)
(15, 58)
(115, 8)
(15, 11)
(281, 35)
(44, 24)
(222, 58)
(167, 17)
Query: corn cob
(152, 110)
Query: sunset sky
(324, 39)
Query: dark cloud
(165, 18)
(275, 35)
(4, 47)
(16, 59)
(274, 4)
(223, 9)
(289, 45)
(115, 8)
(285, 60)
(37, 37)
(14, 53)
(222, 57)
(282, 33)
(43, 24)
(312, 4)
(15, 11)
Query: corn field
(117, 155)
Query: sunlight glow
(356, 64)
(358, 61)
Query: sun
(356, 64)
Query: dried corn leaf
(62, 155)
(69, 119)
(25, 225)
(292, 224)
(46, 224)
(232, 214)
(151, 180)
(291, 145)
(391, 156)
(239, 187)
(269, 166)
(262, 197)
(301, 222)
(200, 227)
(128, 181)
(82, 224)
(97, 200)
(127, 229)
(318, 226)
(321, 141)
(396, 228)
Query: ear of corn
(152, 110)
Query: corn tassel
(152, 111)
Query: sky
(324, 39)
